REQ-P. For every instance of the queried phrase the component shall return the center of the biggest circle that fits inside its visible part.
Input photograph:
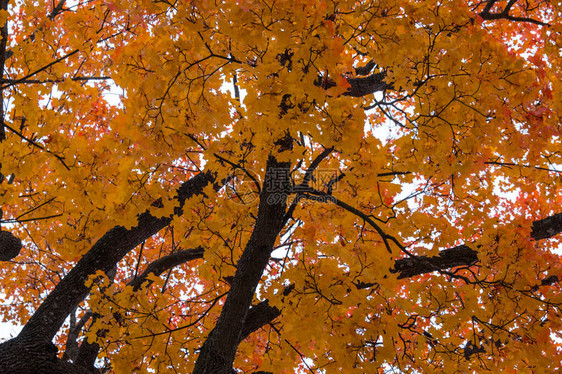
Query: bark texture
(167, 262)
(547, 227)
(363, 86)
(32, 356)
(448, 258)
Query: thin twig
(38, 81)
(188, 325)
(236, 166)
(61, 159)
(323, 197)
(17, 81)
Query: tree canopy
(281, 186)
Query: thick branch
(71, 350)
(360, 86)
(259, 316)
(547, 227)
(448, 258)
(33, 357)
(87, 355)
(105, 253)
(367, 85)
(167, 262)
(504, 14)
(57, 9)
(366, 69)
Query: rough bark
(167, 262)
(365, 69)
(87, 355)
(24, 356)
(547, 227)
(363, 86)
(359, 86)
(258, 316)
(218, 351)
(448, 258)
(72, 348)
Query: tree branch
(360, 86)
(366, 69)
(504, 14)
(88, 352)
(22, 79)
(71, 350)
(35, 144)
(57, 9)
(159, 266)
(105, 253)
(262, 313)
(45, 81)
(367, 85)
(87, 355)
(448, 258)
(258, 316)
(547, 227)
(462, 255)
(324, 197)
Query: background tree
(332, 186)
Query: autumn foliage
(281, 186)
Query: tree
(259, 186)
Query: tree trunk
(218, 351)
